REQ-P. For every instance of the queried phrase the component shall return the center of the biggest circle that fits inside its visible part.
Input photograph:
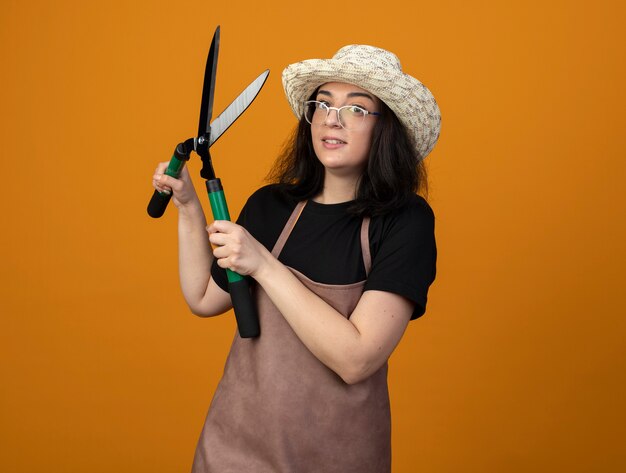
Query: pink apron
(278, 409)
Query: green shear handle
(243, 305)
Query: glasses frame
(322, 105)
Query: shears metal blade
(209, 132)
(236, 108)
(210, 70)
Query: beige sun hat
(378, 71)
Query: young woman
(341, 252)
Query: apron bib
(278, 409)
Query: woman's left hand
(236, 249)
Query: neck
(337, 189)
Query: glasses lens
(351, 117)
(313, 112)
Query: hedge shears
(208, 133)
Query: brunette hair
(394, 170)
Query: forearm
(194, 254)
(330, 336)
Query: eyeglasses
(350, 117)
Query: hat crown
(369, 56)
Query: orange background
(519, 363)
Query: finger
(161, 178)
(217, 238)
(160, 187)
(170, 182)
(158, 172)
(156, 183)
(223, 263)
(222, 226)
(221, 252)
(161, 167)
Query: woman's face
(344, 152)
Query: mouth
(333, 141)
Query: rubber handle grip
(158, 204)
(245, 310)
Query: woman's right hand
(184, 192)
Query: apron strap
(293, 219)
(282, 239)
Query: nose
(332, 118)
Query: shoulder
(416, 216)
(269, 196)
(404, 233)
(418, 209)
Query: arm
(203, 296)
(354, 348)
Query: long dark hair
(394, 171)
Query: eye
(356, 110)
(322, 105)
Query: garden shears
(208, 133)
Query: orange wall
(519, 363)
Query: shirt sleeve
(404, 254)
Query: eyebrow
(350, 95)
